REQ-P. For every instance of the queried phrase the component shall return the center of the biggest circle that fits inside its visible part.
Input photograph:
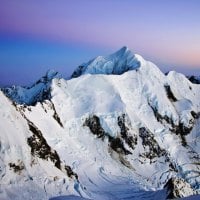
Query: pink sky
(166, 32)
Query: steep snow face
(106, 137)
(29, 170)
(39, 91)
(116, 63)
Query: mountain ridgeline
(118, 129)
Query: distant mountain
(119, 129)
(194, 79)
(37, 92)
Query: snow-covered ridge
(98, 136)
(30, 95)
(117, 63)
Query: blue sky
(39, 35)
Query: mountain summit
(117, 63)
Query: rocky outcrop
(41, 149)
(178, 188)
(179, 129)
(131, 140)
(17, 167)
(152, 148)
(170, 94)
(194, 79)
(93, 123)
(116, 144)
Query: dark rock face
(181, 130)
(17, 167)
(116, 144)
(195, 115)
(178, 188)
(56, 116)
(70, 173)
(131, 140)
(40, 148)
(94, 125)
(44, 94)
(77, 72)
(194, 79)
(170, 95)
(159, 117)
(148, 141)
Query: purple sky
(37, 35)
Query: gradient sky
(36, 35)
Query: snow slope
(23, 175)
(121, 130)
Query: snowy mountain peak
(129, 136)
(122, 51)
(50, 74)
(37, 92)
(117, 63)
